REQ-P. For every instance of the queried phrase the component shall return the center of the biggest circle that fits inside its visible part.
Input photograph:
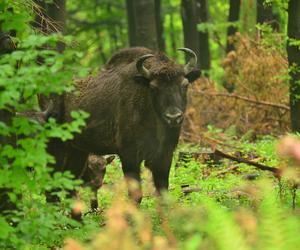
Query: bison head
(168, 83)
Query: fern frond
(222, 228)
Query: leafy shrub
(25, 169)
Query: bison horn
(140, 66)
(192, 62)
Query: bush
(25, 172)
(257, 71)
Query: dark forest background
(212, 29)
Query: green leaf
(5, 229)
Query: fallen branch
(260, 166)
(188, 190)
(237, 192)
(275, 105)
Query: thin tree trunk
(189, 23)
(234, 15)
(6, 47)
(6, 44)
(264, 14)
(112, 31)
(159, 26)
(131, 22)
(294, 62)
(204, 53)
(40, 17)
(100, 46)
(146, 34)
(172, 35)
(55, 12)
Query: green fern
(278, 227)
(222, 228)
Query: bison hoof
(94, 204)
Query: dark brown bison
(136, 106)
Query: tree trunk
(6, 44)
(294, 62)
(159, 26)
(204, 53)
(6, 47)
(189, 23)
(55, 12)
(172, 35)
(264, 14)
(51, 18)
(234, 14)
(131, 22)
(146, 34)
(112, 31)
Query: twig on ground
(188, 190)
(232, 168)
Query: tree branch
(275, 105)
(260, 166)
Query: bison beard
(136, 106)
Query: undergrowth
(225, 210)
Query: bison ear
(142, 80)
(193, 75)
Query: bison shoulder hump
(126, 56)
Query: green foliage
(25, 170)
(99, 27)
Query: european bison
(136, 106)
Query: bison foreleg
(75, 162)
(160, 168)
(131, 170)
